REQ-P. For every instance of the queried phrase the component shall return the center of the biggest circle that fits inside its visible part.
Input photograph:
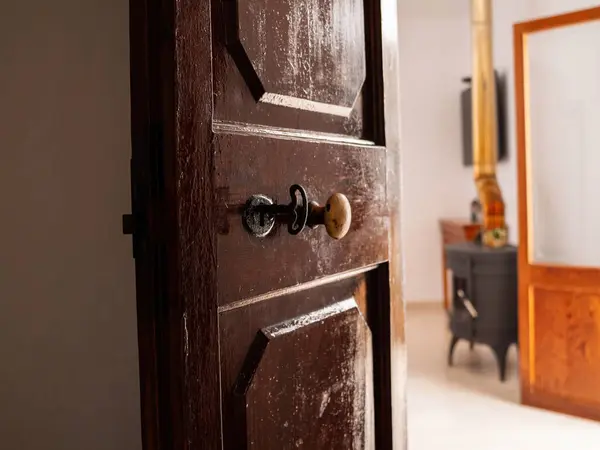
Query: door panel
(323, 395)
(566, 349)
(245, 168)
(299, 389)
(303, 54)
(556, 73)
(295, 64)
(281, 341)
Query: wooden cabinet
(453, 232)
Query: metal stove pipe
(485, 126)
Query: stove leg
(500, 351)
(453, 343)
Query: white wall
(68, 339)
(435, 52)
(434, 56)
(506, 14)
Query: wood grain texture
(193, 264)
(309, 383)
(367, 293)
(570, 361)
(236, 340)
(172, 182)
(312, 74)
(559, 325)
(560, 404)
(523, 208)
(565, 353)
(301, 54)
(195, 162)
(567, 277)
(323, 169)
(383, 41)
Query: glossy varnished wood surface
(523, 195)
(559, 324)
(561, 20)
(393, 370)
(564, 353)
(325, 399)
(299, 319)
(323, 168)
(303, 72)
(207, 289)
(566, 346)
(173, 194)
(575, 278)
(302, 54)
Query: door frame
(530, 273)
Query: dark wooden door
(283, 341)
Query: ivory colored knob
(337, 216)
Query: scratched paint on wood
(208, 290)
(238, 344)
(307, 54)
(356, 172)
(297, 65)
(309, 384)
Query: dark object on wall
(467, 120)
(476, 211)
(484, 298)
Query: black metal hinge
(129, 229)
(129, 220)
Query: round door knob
(260, 213)
(336, 215)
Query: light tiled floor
(467, 407)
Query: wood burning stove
(484, 298)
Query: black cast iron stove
(484, 298)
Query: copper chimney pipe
(485, 127)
